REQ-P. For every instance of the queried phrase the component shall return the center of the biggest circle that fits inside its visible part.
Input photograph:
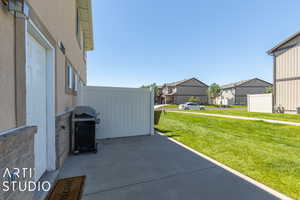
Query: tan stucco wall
(59, 17)
(57, 21)
(63, 100)
(7, 72)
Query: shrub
(193, 99)
(157, 114)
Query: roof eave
(271, 51)
(225, 88)
(86, 22)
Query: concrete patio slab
(153, 167)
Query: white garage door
(123, 111)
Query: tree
(269, 90)
(193, 99)
(214, 91)
(153, 87)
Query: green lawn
(269, 153)
(244, 113)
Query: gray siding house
(236, 93)
(179, 92)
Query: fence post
(151, 112)
(249, 103)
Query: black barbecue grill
(84, 123)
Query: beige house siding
(287, 75)
(287, 63)
(7, 72)
(288, 94)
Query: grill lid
(84, 112)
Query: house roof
(173, 84)
(283, 42)
(236, 84)
(86, 23)
(170, 94)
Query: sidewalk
(239, 117)
(160, 105)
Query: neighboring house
(236, 93)
(158, 95)
(286, 67)
(179, 92)
(42, 63)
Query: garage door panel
(123, 111)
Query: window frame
(76, 76)
(70, 76)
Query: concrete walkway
(159, 106)
(155, 167)
(239, 117)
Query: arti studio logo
(20, 179)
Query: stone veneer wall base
(17, 151)
(63, 131)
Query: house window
(70, 77)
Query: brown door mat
(67, 189)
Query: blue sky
(144, 41)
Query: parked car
(191, 106)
